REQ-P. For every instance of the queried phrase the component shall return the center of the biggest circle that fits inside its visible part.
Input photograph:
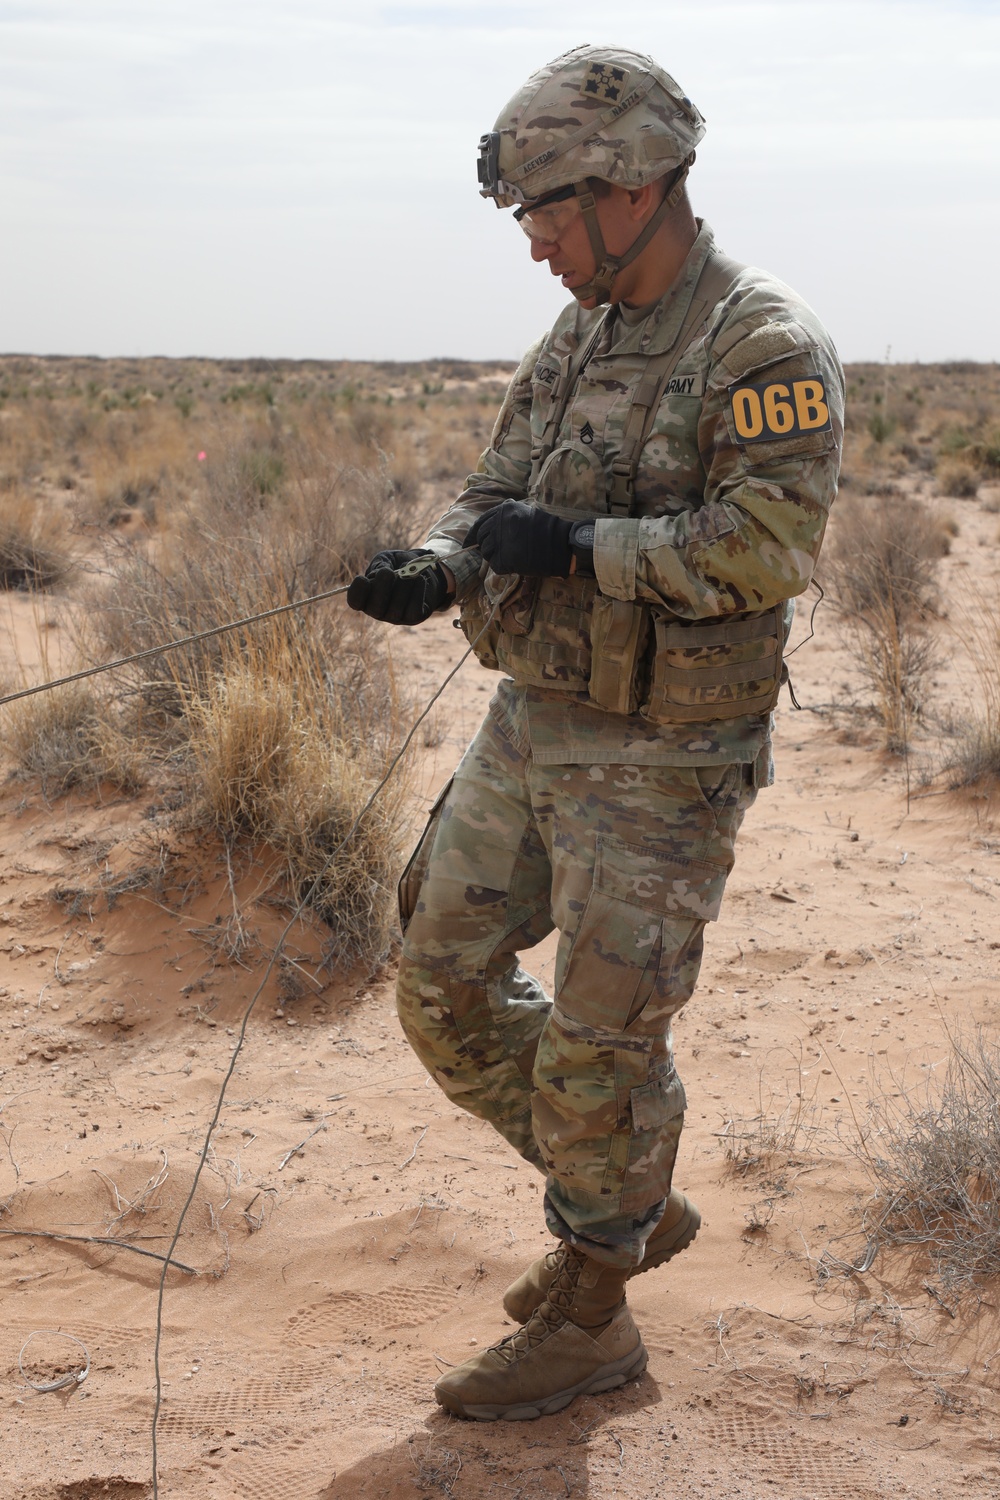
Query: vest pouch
(619, 633)
(707, 671)
(479, 615)
(541, 634)
(555, 651)
(518, 613)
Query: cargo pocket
(615, 958)
(657, 1118)
(415, 873)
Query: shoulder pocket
(786, 413)
(753, 345)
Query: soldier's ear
(643, 201)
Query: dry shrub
(976, 757)
(350, 509)
(881, 568)
(959, 477)
(33, 551)
(230, 557)
(281, 755)
(52, 736)
(261, 483)
(934, 1158)
(277, 732)
(987, 454)
(763, 1142)
(140, 458)
(780, 1129)
(69, 737)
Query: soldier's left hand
(386, 594)
(515, 537)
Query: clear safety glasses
(549, 218)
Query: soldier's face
(571, 256)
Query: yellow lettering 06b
(770, 410)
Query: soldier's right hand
(408, 600)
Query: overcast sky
(297, 177)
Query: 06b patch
(770, 410)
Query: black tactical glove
(407, 600)
(515, 537)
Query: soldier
(653, 498)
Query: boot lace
(550, 1314)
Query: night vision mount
(488, 166)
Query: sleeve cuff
(464, 565)
(616, 553)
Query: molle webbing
(716, 671)
(551, 647)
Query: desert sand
(353, 1232)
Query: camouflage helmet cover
(592, 112)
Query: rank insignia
(605, 81)
(586, 433)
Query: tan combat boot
(675, 1231)
(579, 1341)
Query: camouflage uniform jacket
(731, 498)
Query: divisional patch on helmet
(770, 410)
(605, 81)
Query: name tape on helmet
(616, 110)
(768, 410)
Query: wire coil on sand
(72, 1377)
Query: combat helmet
(594, 112)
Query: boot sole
(607, 1378)
(682, 1234)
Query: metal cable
(75, 1377)
(185, 640)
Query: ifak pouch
(619, 634)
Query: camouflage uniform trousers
(628, 863)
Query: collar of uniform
(664, 322)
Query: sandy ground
(333, 1282)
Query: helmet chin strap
(608, 266)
